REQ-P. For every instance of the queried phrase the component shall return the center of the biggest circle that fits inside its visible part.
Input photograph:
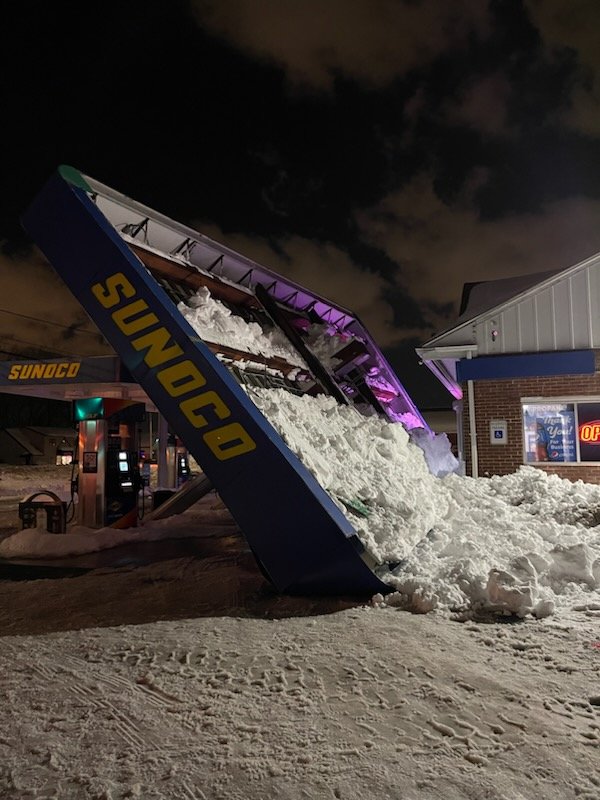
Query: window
(561, 431)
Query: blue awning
(530, 365)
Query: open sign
(589, 432)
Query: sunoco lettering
(28, 372)
(589, 432)
(179, 378)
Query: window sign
(90, 461)
(589, 431)
(549, 431)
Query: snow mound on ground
(518, 544)
(365, 459)
(515, 544)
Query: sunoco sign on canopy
(83, 370)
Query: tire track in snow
(90, 686)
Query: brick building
(523, 365)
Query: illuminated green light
(90, 408)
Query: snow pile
(437, 451)
(518, 544)
(364, 459)
(325, 343)
(489, 554)
(214, 322)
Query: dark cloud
(573, 27)
(39, 317)
(483, 105)
(440, 246)
(371, 41)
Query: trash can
(55, 508)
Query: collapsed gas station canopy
(128, 266)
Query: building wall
(501, 399)
(12, 452)
(559, 314)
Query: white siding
(482, 336)
(528, 325)
(562, 315)
(594, 290)
(540, 322)
(545, 319)
(580, 307)
(510, 330)
(460, 336)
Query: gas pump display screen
(123, 466)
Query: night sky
(381, 152)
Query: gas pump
(121, 486)
(177, 465)
(109, 479)
(183, 465)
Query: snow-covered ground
(227, 704)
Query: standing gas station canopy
(123, 262)
(71, 379)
